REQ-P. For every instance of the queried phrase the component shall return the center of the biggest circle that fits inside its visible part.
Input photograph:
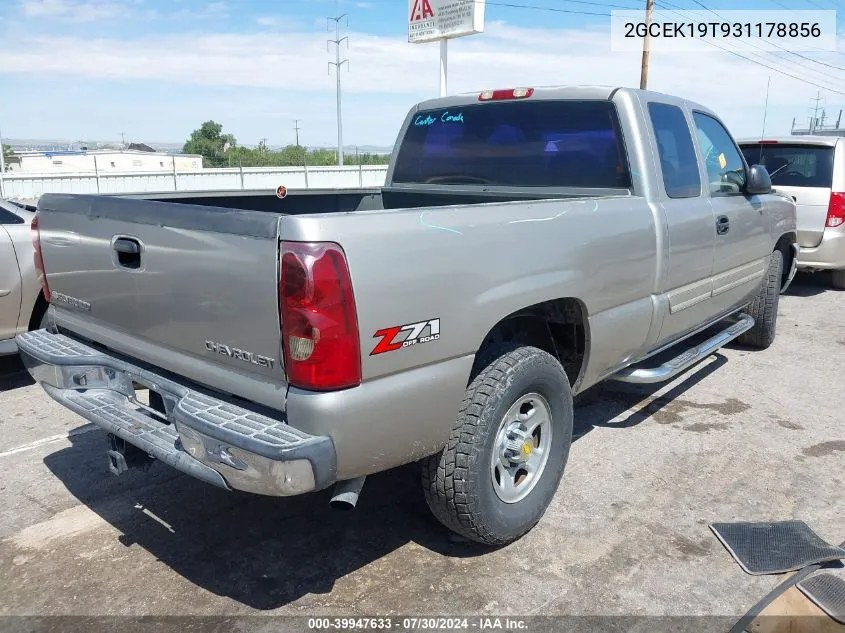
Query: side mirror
(759, 181)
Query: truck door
(741, 226)
(685, 284)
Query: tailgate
(190, 289)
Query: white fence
(31, 186)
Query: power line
(824, 77)
(764, 65)
(775, 44)
(552, 9)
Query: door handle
(128, 252)
(723, 225)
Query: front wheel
(764, 308)
(838, 279)
(507, 450)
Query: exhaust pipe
(346, 493)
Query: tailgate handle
(128, 252)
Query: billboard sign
(433, 20)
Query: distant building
(817, 127)
(104, 161)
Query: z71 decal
(393, 338)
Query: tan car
(22, 305)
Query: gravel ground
(748, 436)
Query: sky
(153, 70)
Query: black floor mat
(774, 548)
(827, 591)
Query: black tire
(457, 481)
(837, 279)
(764, 308)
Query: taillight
(35, 233)
(835, 210)
(318, 318)
(502, 95)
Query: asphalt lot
(748, 436)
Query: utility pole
(2, 157)
(649, 8)
(814, 121)
(338, 63)
(296, 129)
(123, 140)
(2, 166)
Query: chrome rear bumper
(204, 436)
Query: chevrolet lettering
(71, 302)
(240, 354)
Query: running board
(687, 359)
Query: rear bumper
(204, 436)
(829, 254)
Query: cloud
(387, 74)
(75, 10)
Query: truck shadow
(13, 374)
(263, 552)
(622, 405)
(267, 552)
(810, 284)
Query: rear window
(516, 143)
(793, 165)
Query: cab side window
(725, 169)
(675, 150)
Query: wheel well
(558, 327)
(784, 245)
(38, 312)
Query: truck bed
(320, 201)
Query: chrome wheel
(521, 448)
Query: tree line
(222, 150)
(9, 156)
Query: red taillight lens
(318, 318)
(35, 233)
(502, 95)
(835, 210)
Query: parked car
(811, 170)
(22, 305)
(527, 245)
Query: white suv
(811, 170)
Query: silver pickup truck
(527, 244)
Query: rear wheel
(838, 279)
(764, 308)
(508, 448)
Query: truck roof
(557, 92)
(823, 141)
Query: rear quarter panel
(469, 267)
(472, 266)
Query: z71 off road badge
(398, 336)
